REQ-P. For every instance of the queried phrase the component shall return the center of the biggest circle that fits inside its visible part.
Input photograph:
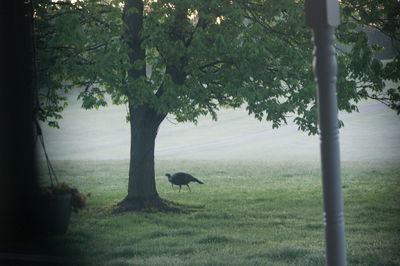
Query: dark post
(323, 16)
(17, 165)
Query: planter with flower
(55, 205)
(55, 202)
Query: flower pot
(54, 214)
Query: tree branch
(202, 68)
(253, 17)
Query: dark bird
(180, 179)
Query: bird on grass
(181, 179)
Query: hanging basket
(56, 202)
(54, 213)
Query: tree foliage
(203, 55)
(384, 16)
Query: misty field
(246, 213)
(369, 135)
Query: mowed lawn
(246, 213)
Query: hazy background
(370, 135)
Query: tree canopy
(198, 56)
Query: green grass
(247, 213)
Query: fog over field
(373, 134)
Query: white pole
(323, 16)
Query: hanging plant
(57, 200)
(79, 200)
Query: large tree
(189, 58)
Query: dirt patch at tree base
(154, 204)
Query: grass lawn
(246, 213)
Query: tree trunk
(144, 127)
(142, 192)
(144, 120)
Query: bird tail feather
(198, 181)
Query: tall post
(18, 180)
(323, 16)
